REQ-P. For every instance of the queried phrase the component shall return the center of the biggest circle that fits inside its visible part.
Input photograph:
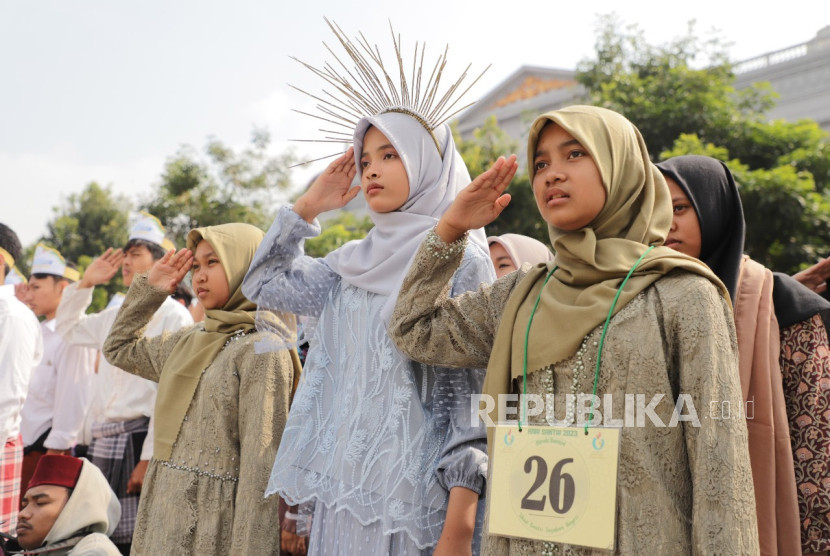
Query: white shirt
(118, 395)
(21, 348)
(58, 392)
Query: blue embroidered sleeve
(463, 460)
(282, 277)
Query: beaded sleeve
(430, 326)
(126, 347)
(282, 277)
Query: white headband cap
(49, 261)
(147, 227)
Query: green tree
(336, 232)
(84, 226)
(220, 186)
(685, 86)
(487, 144)
(683, 99)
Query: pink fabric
(11, 463)
(770, 451)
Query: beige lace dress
(209, 497)
(683, 489)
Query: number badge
(555, 484)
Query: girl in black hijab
(788, 397)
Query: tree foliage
(219, 186)
(685, 86)
(337, 232)
(84, 226)
(683, 99)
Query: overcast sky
(107, 91)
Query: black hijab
(711, 189)
(794, 302)
(713, 193)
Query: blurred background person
(58, 396)
(510, 251)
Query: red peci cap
(56, 470)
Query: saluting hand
(102, 269)
(170, 270)
(21, 292)
(479, 203)
(331, 190)
(815, 277)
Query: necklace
(570, 409)
(523, 410)
(234, 336)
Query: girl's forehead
(374, 138)
(203, 248)
(552, 131)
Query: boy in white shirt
(58, 395)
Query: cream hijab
(522, 249)
(235, 244)
(593, 261)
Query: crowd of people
(143, 430)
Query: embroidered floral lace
(369, 430)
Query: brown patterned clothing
(805, 366)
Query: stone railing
(771, 58)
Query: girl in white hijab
(382, 445)
(510, 251)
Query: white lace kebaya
(371, 432)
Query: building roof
(525, 89)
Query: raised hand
(102, 269)
(170, 270)
(21, 292)
(815, 277)
(479, 203)
(331, 190)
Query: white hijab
(379, 262)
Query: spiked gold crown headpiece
(368, 89)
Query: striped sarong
(11, 462)
(115, 449)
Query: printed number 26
(560, 488)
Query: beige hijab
(592, 261)
(235, 244)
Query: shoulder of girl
(253, 350)
(686, 288)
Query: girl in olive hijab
(221, 406)
(681, 489)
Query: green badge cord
(601, 341)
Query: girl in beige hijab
(221, 406)
(681, 489)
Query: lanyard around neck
(523, 417)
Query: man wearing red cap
(21, 348)
(68, 510)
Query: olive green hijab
(235, 244)
(593, 261)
